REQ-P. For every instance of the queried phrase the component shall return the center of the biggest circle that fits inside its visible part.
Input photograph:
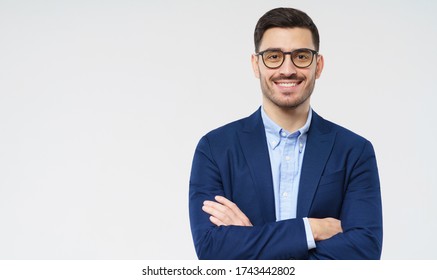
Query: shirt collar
(273, 131)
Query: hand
(324, 228)
(225, 213)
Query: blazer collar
(254, 145)
(319, 145)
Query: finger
(224, 211)
(232, 215)
(214, 218)
(224, 218)
(221, 219)
(231, 205)
(216, 205)
(216, 221)
(223, 200)
(225, 214)
(242, 218)
(209, 210)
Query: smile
(287, 84)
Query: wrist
(314, 228)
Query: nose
(287, 68)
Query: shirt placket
(287, 176)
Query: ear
(319, 66)
(255, 65)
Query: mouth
(287, 84)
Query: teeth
(288, 84)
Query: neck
(290, 119)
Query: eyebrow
(272, 49)
(279, 49)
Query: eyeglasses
(301, 58)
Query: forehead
(287, 38)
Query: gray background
(102, 104)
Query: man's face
(287, 87)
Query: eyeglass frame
(291, 57)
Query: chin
(290, 104)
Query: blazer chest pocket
(336, 177)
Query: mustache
(288, 77)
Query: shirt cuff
(309, 233)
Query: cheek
(311, 74)
(266, 74)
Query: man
(284, 183)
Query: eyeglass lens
(274, 58)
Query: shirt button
(274, 142)
(287, 158)
(283, 134)
(285, 194)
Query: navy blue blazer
(339, 179)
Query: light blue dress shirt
(286, 151)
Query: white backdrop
(102, 104)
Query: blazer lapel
(254, 146)
(319, 144)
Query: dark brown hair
(285, 18)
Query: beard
(290, 100)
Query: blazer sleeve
(361, 215)
(275, 240)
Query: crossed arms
(238, 229)
(226, 213)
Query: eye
(302, 55)
(273, 56)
